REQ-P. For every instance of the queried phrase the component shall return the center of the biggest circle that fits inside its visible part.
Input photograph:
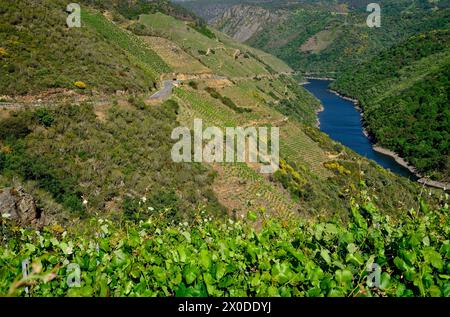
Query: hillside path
(166, 90)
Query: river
(341, 120)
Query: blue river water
(342, 122)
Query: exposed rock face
(18, 205)
(244, 21)
(207, 10)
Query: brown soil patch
(318, 42)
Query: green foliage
(193, 84)
(44, 117)
(125, 156)
(132, 10)
(202, 28)
(138, 102)
(162, 201)
(2, 161)
(406, 108)
(209, 257)
(73, 203)
(226, 101)
(15, 127)
(43, 53)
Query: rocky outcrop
(242, 22)
(20, 206)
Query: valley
(86, 122)
(342, 122)
(312, 41)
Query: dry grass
(174, 56)
(240, 188)
(319, 41)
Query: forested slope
(404, 94)
(323, 37)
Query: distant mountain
(399, 71)
(243, 21)
(321, 37)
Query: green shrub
(193, 85)
(210, 257)
(226, 101)
(2, 161)
(137, 102)
(44, 117)
(73, 203)
(203, 29)
(16, 126)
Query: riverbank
(398, 159)
(318, 111)
(321, 108)
(355, 101)
(421, 179)
(320, 78)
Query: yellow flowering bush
(80, 84)
(335, 166)
(5, 149)
(3, 52)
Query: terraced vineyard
(139, 53)
(238, 186)
(298, 147)
(242, 188)
(210, 110)
(274, 63)
(178, 60)
(224, 58)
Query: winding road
(166, 90)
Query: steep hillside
(227, 84)
(325, 37)
(257, 84)
(95, 160)
(221, 55)
(41, 54)
(243, 22)
(131, 9)
(404, 94)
